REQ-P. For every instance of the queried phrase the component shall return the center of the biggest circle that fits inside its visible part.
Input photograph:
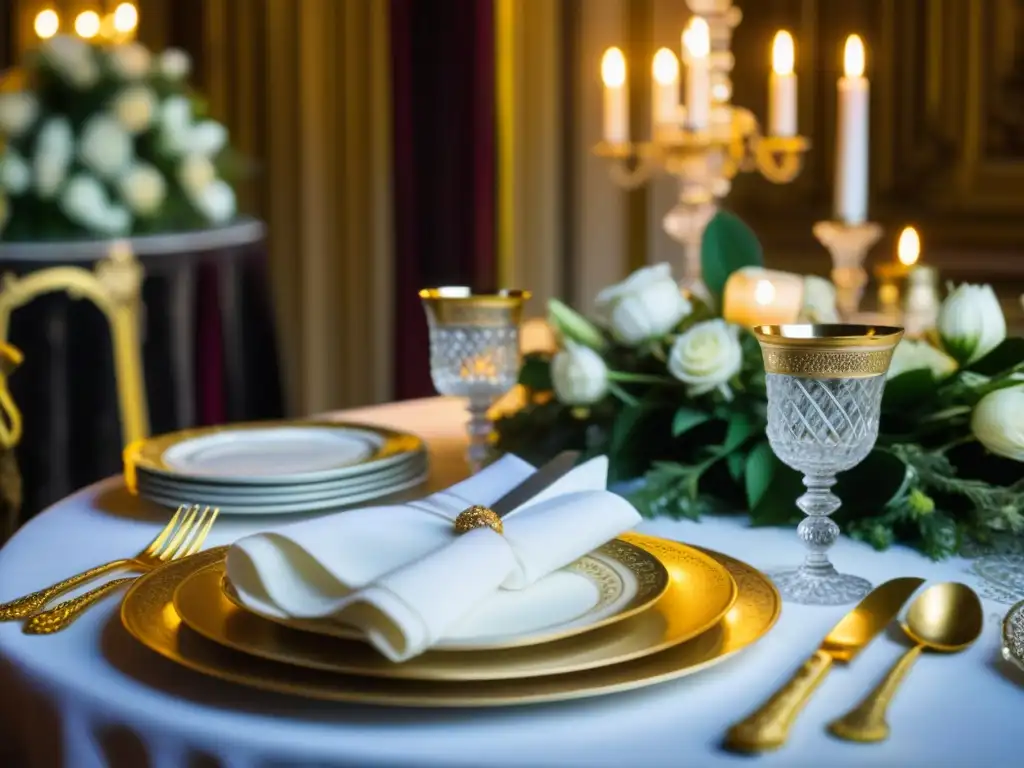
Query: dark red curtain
(444, 161)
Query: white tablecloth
(91, 697)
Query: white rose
(579, 375)
(174, 64)
(15, 175)
(105, 147)
(134, 108)
(130, 61)
(998, 422)
(819, 301)
(72, 59)
(54, 148)
(195, 174)
(18, 111)
(706, 357)
(143, 189)
(971, 322)
(85, 202)
(644, 306)
(208, 138)
(176, 124)
(217, 202)
(912, 355)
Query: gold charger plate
(701, 593)
(628, 580)
(148, 615)
(392, 448)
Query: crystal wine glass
(825, 387)
(474, 352)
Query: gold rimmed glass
(474, 352)
(825, 386)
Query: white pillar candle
(616, 98)
(697, 51)
(782, 87)
(664, 88)
(851, 190)
(758, 296)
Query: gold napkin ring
(478, 517)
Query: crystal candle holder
(825, 387)
(474, 352)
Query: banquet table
(90, 696)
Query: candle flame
(613, 68)
(126, 18)
(908, 250)
(665, 67)
(47, 23)
(783, 54)
(853, 57)
(764, 292)
(697, 38)
(87, 24)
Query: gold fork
(186, 541)
(149, 558)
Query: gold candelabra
(706, 155)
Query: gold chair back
(115, 287)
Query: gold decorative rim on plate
(392, 448)
(148, 615)
(827, 351)
(696, 600)
(651, 577)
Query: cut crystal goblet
(474, 352)
(825, 386)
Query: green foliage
(728, 244)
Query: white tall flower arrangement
(106, 140)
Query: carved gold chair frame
(115, 287)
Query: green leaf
(687, 418)
(908, 389)
(736, 462)
(777, 505)
(867, 488)
(1008, 354)
(760, 470)
(535, 373)
(728, 244)
(570, 324)
(740, 427)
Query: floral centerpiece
(107, 140)
(675, 394)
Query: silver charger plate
(1013, 635)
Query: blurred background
(389, 145)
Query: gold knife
(768, 727)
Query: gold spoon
(947, 618)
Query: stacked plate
(276, 467)
(637, 611)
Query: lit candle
(908, 248)
(782, 87)
(756, 296)
(616, 99)
(851, 190)
(665, 88)
(697, 51)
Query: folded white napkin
(402, 576)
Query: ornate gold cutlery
(158, 552)
(187, 540)
(768, 727)
(946, 618)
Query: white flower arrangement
(104, 140)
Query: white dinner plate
(271, 453)
(215, 493)
(292, 508)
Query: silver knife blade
(540, 480)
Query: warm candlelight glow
(908, 250)
(47, 23)
(126, 18)
(613, 68)
(764, 292)
(87, 24)
(697, 38)
(665, 67)
(853, 57)
(783, 54)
